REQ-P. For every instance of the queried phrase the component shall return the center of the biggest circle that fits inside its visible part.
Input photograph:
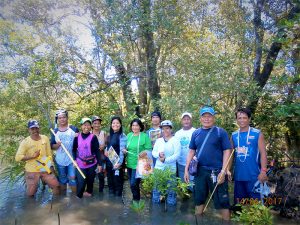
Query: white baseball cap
(166, 123)
(186, 114)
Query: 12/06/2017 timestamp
(255, 201)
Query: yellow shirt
(28, 147)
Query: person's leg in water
(201, 190)
(72, 178)
(62, 177)
(118, 181)
(110, 179)
(90, 180)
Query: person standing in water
(87, 155)
(101, 135)
(118, 140)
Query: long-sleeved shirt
(171, 149)
(94, 148)
(120, 146)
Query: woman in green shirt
(138, 143)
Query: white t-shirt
(171, 148)
(184, 137)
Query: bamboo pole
(227, 163)
(73, 161)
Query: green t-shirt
(133, 150)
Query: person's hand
(75, 164)
(76, 134)
(221, 177)
(161, 155)
(36, 154)
(124, 151)
(262, 177)
(57, 145)
(99, 169)
(147, 166)
(105, 153)
(186, 176)
(102, 147)
(143, 154)
(52, 170)
(117, 166)
(229, 175)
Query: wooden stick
(64, 148)
(227, 163)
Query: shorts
(32, 181)
(204, 185)
(66, 174)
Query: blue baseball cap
(207, 109)
(33, 123)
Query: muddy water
(16, 208)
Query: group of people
(80, 156)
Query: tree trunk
(150, 51)
(125, 82)
(261, 78)
(293, 126)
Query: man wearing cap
(33, 150)
(166, 150)
(66, 134)
(250, 162)
(212, 159)
(184, 136)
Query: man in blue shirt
(212, 161)
(250, 162)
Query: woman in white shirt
(166, 150)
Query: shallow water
(16, 208)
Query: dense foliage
(128, 57)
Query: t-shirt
(212, 154)
(171, 148)
(101, 137)
(184, 137)
(67, 139)
(28, 147)
(134, 148)
(246, 164)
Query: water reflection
(102, 208)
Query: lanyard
(138, 146)
(245, 154)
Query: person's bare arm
(226, 158)
(188, 161)
(263, 158)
